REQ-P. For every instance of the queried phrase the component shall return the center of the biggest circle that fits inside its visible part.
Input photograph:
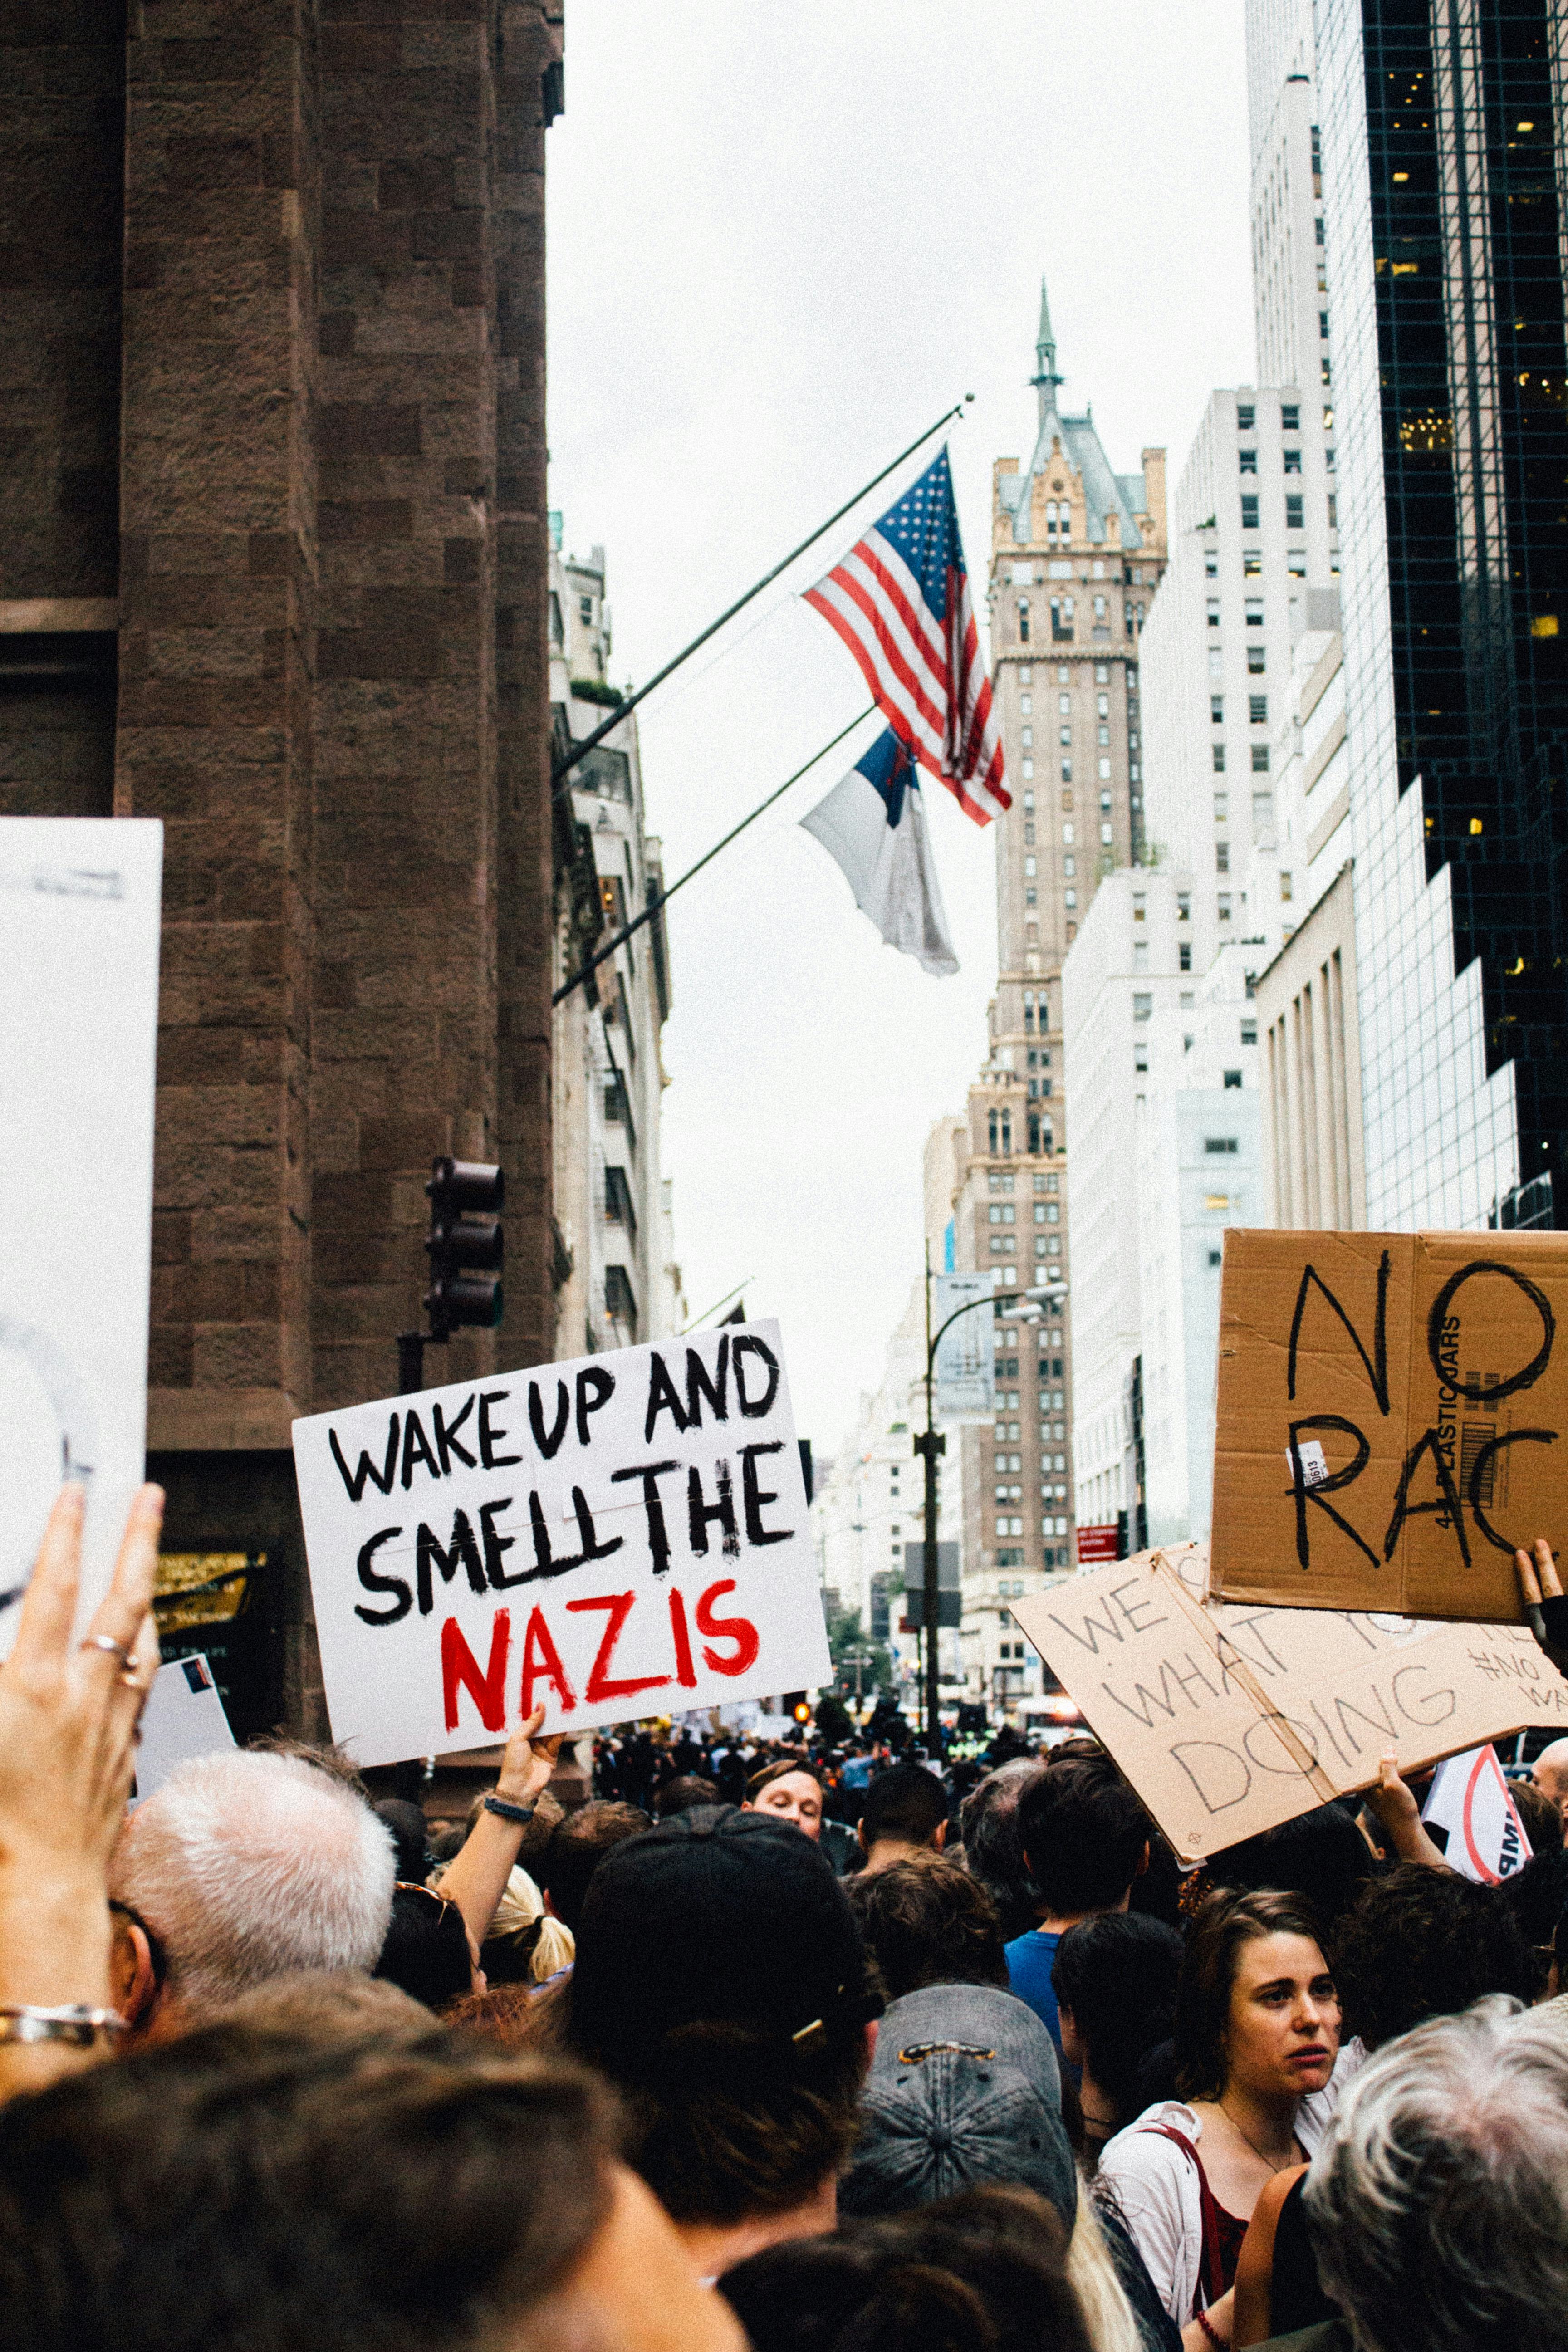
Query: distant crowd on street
(781, 2042)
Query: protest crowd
(810, 2050)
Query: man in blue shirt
(1085, 1838)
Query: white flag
(1470, 1799)
(874, 825)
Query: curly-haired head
(928, 1922)
(1426, 1943)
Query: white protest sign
(184, 1717)
(80, 907)
(1230, 1719)
(1469, 1801)
(617, 1537)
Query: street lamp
(1027, 1305)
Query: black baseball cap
(717, 1916)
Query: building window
(1262, 813)
(1294, 519)
(1292, 461)
(1217, 710)
(1223, 910)
(1211, 564)
(1245, 417)
(1256, 656)
(1233, 1077)
(1214, 612)
(1290, 414)
(1333, 511)
(1222, 857)
(585, 608)
(1247, 460)
(1221, 807)
(1062, 619)
(1249, 511)
(1257, 709)
(1217, 752)
(1142, 1006)
(1185, 955)
(1322, 326)
(620, 1301)
(1251, 563)
(1250, 1033)
(1260, 759)
(1217, 1146)
(1254, 612)
(1023, 622)
(1183, 906)
(1286, 887)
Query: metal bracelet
(76, 2025)
(521, 1814)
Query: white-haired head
(247, 1866)
(1438, 2200)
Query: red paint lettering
(458, 1664)
(685, 1671)
(619, 1605)
(541, 1663)
(739, 1629)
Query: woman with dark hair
(1115, 1982)
(429, 1950)
(1257, 2034)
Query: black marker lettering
(354, 1479)
(490, 1438)
(416, 1449)
(549, 1446)
(1483, 1462)
(651, 1472)
(461, 1551)
(374, 1581)
(446, 1436)
(594, 1388)
(723, 1510)
(752, 1497)
(744, 1340)
(1326, 1486)
(663, 1396)
(1377, 1373)
(714, 1388)
(1486, 1391)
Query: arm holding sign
(1545, 1603)
(1396, 1809)
(69, 1713)
(475, 1879)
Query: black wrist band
(521, 1814)
(1554, 1617)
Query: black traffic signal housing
(466, 1245)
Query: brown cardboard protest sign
(1228, 1720)
(1393, 1419)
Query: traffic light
(466, 1247)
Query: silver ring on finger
(120, 1650)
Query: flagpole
(657, 905)
(580, 751)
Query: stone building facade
(1077, 553)
(273, 555)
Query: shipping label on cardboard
(1391, 1419)
(1229, 1720)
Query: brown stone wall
(218, 595)
(62, 103)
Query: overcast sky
(784, 236)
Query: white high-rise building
(616, 1279)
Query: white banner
(1470, 1799)
(613, 1537)
(79, 905)
(966, 1380)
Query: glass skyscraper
(1446, 388)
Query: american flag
(899, 600)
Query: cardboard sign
(1483, 1837)
(79, 909)
(1229, 1720)
(184, 1717)
(614, 1537)
(1393, 1419)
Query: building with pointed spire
(1076, 551)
